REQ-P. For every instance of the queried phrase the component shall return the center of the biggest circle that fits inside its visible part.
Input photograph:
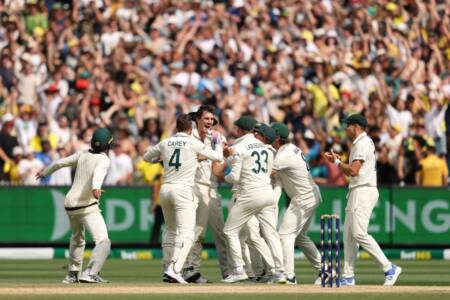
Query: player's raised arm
(69, 161)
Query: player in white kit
(361, 200)
(208, 200)
(81, 205)
(251, 171)
(251, 233)
(293, 170)
(179, 154)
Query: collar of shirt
(182, 134)
(271, 148)
(243, 137)
(359, 137)
(282, 147)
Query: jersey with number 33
(252, 169)
(179, 154)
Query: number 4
(175, 159)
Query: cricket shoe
(318, 280)
(278, 277)
(391, 275)
(192, 276)
(350, 281)
(291, 280)
(265, 278)
(168, 279)
(71, 277)
(89, 278)
(233, 278)
(176, 277)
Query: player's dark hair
(202, 109)
(184, 123)
(284, 141)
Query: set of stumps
(327, 224)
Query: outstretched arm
(69, 161)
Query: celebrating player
(81, 205)
(207, 197)
(293, 170)
(179, 154)
(251, 171)
(362, 198)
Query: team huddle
(252, 244)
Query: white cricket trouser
(246, 257)
(293, 229)
(95, 224)
(250, 238)
(361, 201)
(208, 213)
(259, 203)
(177, 203)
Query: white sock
(388, 267)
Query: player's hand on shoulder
(97, 193)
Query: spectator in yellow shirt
(433, 169)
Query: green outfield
(133, 279)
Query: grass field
(40, 279)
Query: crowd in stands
(132, 65)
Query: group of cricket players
(253, 244)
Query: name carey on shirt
(177, 144)
(254, 146)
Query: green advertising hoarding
(403, 216)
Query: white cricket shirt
(293, 170)
(204, 171)
(179, 155)
(91, 169)
(252, 168)
(363, 149)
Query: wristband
(337, 161)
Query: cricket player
(208, 200)
(293, 170)
(81, 205)
(180, 157)
(251, 172)
(251, 233)
(361, 200)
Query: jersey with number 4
(293, 170)
(252, 169)
(179, 154)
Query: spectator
(433, 170)
(26, 126)
(28, 168)
(121, 170)
(62, 177)
(7, 144)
